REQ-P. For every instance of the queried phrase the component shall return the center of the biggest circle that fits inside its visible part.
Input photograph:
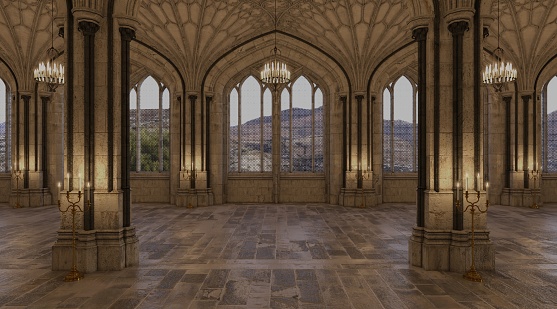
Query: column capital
(420, 34)
(127, 33)
(127, 22)
(458, 27)
(82, 14)
(359, 95)
(87, 28)
(459, 13)
(26, 97)
(506, 98)
(420, 22)
(523, 93)
(342, 98)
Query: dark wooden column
(88, 29)
(26, 107)
(343, 101)
(457, 29)
(208, 101)
(193, 100)
(359, 99)
(420, 35)
(44, 160)
(127, 35)
(525, 136)
(508, 151)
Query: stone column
(520, 190)
(359, 191)
(106, 237)
(194, 190)
(31, 189)
(441, 238)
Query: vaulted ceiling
(357, 33)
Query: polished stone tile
(280, 256)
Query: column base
(85, 251)
(96, 250)
(450, 250)
(521, 197)
(192, 198)
(30, 198)
(360, 198)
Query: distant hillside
(301, 120)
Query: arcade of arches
(162, 105)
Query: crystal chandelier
(499, 71)
(51, 73)
(275, 72)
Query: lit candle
(457, 188)
(59, 191)
(79, 181)
(478, 182)
(487, 190)
(466, 182)
(89, 189)
(536, 166)
(68, 182)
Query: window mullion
(239, 129)
(137, 128)
(161, 89)
(261, 108)
(391, 90)
(313, 128)
(414, 135)
(290, 131)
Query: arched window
(149, 127)
(549, 127)
(301, 127)
(400, 127)
(250, 130)
(5, 141)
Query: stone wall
(253, 190)
(150, 188)
(5, 187)
(399, 188)
(302, 190)
(549, 183)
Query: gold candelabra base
(534, 174)
(73, 275)
(473, 275)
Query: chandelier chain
(500, 71)
(275, 72)
(50, 73)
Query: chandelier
(499, 71)
(275, 72)
(51, 73)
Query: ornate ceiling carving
(357, 33)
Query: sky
(251, 92)
(403, 101)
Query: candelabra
(74, 274)
(190, 175)
(534, 174)
(472, 274)
(18, 176)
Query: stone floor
(279, 256)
